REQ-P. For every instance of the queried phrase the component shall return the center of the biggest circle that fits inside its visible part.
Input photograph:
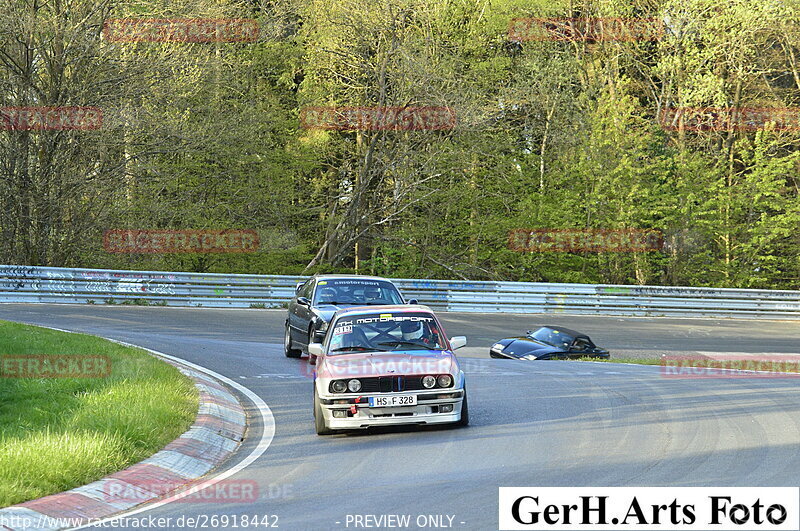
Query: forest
(676, 116)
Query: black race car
(317, 299)
(548, 343)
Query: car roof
(573, 333)
(394, 308)
(349, 277)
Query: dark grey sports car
(548, 343)
(317, 299)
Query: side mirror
(297, 287)
(457, 342)
(413, 301)
(303, 301)
(315, 349)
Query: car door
(291, 317)
(300, 314)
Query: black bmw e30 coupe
(548, 343)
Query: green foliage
(550, 134)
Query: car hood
(326, 311)
(523, 346)
(365, 364)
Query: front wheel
(464, 411)
(319, 418)
(287, 345)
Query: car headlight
(530, 357)
(354, 385)
(498, 347)
(338, 386)
(428, 381)
(445, 380)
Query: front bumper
(427, 410)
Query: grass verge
(638, 361)
(60, 433)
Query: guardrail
(102, 286)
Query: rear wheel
(464, 411)
(287, 345)
(319, 418)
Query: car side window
(580, 344)
(307, 289)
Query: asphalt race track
(532, 423)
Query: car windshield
(386, 332)
(356, 291)
(553, 337)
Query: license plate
(393, 401)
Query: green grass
(639, 361)
(60, 433)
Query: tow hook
(354, 408)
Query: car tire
(464, 411)
(319, 418)
(287, 345)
